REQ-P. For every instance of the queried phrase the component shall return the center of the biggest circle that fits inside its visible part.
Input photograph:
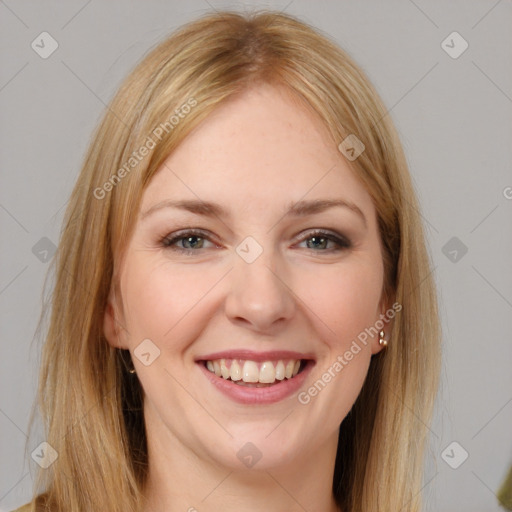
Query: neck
(180, 479)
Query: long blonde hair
(91, 410)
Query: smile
(256, 378)
(252, 373)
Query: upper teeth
(251, 371)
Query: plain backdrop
(453, 112)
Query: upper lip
(251, 355)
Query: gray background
(454, 117)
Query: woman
(243, 314)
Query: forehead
(262, 148)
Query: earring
(382, 341)
(127, 361)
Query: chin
(263, 448)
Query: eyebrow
(298, 209)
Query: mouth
(255, 374)
(249, 377)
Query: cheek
(159, 299)
(345, 299)
(162, 302)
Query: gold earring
(126, 361)
(382, 341)
(130, 364)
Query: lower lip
(254, 396)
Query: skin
(254, 155)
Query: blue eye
(192, 240)
(186, 241)
(320, 241)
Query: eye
(193, 240)
(188, 241)
(324, 241)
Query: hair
(90, 407)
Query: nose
(259, 297)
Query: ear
(113, 323)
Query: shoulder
(25, 508)
(39, 505)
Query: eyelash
(168, 241)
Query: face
(254, 265)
